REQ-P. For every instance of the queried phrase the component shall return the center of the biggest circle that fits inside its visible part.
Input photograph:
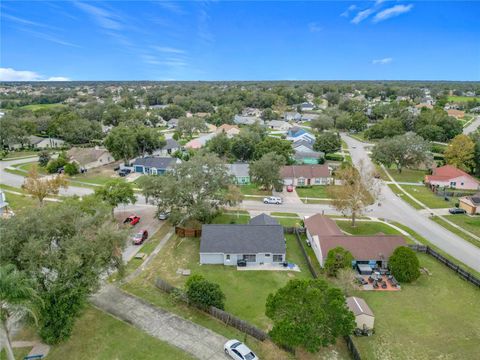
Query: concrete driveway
(394, 208)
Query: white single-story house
(89, 158)
(364, 317)
(299, 134)
(45, 143)
(262, 241)
(246, 120)
(279, 125)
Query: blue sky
(240, 40)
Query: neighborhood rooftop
(358, 306)
(263, 219)
(156, 162)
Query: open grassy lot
(425, 196)
(97, 335)
(469, 223)
(252, 189)
(407, 175)
(97, 176)
(472, 226)
(437, 317)
(315, 191)
(19, 154)
(366, 228)
(36, 107)
(454, 98)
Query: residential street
(472, 127)
(393, 208)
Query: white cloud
(347, 12)
(392, 12)
(167, 49)
(383, 61)
(103, 17)
(361, 15)
(314, 27)
(9, 74)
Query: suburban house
(297, 133)
(246, 120)
(301, 175)
(241, 173)
(200, 141)
(172, 123)
(458, 114)
(364, 317)
(292, 116)
(260, 242)
(230, 130)
(449, 176)
(278, 125)
(89, 158)
(170, 147)
(471, 204)
(307, 106)
(38, 142)
(211, 128)
(374, 250)
(151, 165)
(304, 153)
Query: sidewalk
(198, 341)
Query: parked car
(132, 220)
(116, 168)
(163, 215)
(239, 351)
(456, 211)
(140, 237)
(124, 172)
(290, 188)
(272, 200)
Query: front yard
(366, 228)
(315, 191)
(407, 175)
(424, 195)
(470, 224)
(253, 189)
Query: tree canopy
(266, 171)
(461, 153)
(404, 264)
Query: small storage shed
(364, 317)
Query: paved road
(198, 341)
(393, 208)
(472, 127)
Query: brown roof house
(458, 114)
(301, 175)
(364, 317)
(89, 158)
(324, 235)
(471, 204)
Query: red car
(290, 188)
(132, 220)
(140, 237)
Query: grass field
(425, 196)
(19, 154)
(252, 189)
(436, 317)
(315, 191)
(36, 107)
(366, 228)
(97, 335)
(231, 218)
(407, 175)
(469, 223)
(462, 98)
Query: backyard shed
(364, 317)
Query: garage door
(288, 181)
(211, 258)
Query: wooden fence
(304, 252)
(187, 232)
(460, 271)
(352, 348)
(219, 314)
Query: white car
(272, 200)
(239, 351)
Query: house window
(267, 255)
(228, 256)
(462, 183)
(277, 258)
(250, 258)
(453, 183)
(301, 181)
(318, 181)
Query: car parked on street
(239, 351)
(456, 211)
(139, 237)
(272, 200)
(132, 220)
(163, 215)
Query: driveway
(196, 340)
(394, 208)
(289, 198)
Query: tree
(322, 122)
(17, 299)
(265, 172)
(220, 145)
(40, 187)
(356, 192)
(309, 314)
(121, 143)
(65, 248)
(404, 264)
(193, 190)
(71, 168)
(243, 145)
(43, 158)
(461, 153)
(436, 125)
(269, 114)
(172, 112)
(188, 126)
(385, 128)
(338, 258)
(116, 192)
(275, 145)
(148, 140)
(204, 293)
(327, 142)
(406, 150)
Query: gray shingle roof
(239, 169)
(156, 162)
(263, 219)
(242, 239)
(171, 144)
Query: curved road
(472, 126)
(395, 209)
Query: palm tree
(17, 298)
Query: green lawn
(19, 203)
(19, 154)
(473, 226)
(252, 189)
(315, 201)
(427, 197)
(19, 353)
(230, 218)
(315, 191)
(36, 107)
(366, 228)
(97, 335)
(407, 175)
(274, 213)
(289, 222)
(469, 223)
(437, 317)
(462, 98)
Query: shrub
(71, 169)
(43, 158)
(334, 157)
(337, 258)
(55, 164)
(404, 264)
(204, 293)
